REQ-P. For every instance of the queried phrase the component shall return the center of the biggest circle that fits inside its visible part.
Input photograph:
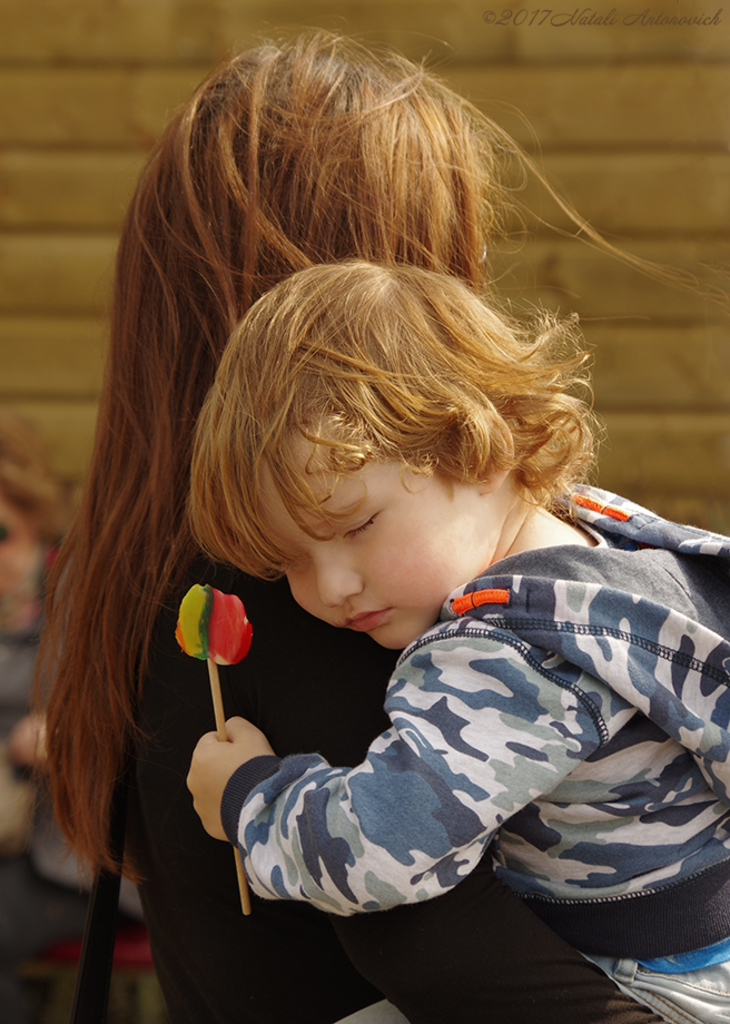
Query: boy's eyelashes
(361, 529)
(4, 532)
(298, 564)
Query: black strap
(97, 951)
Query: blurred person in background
(41, 895)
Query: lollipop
(213, 626)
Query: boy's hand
(213, 764)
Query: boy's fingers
(236, 727)
(206, 740)
(247, 738)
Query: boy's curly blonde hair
(372, 363)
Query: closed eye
(363, 528)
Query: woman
(293, 154)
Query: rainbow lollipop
(213, 626)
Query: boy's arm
(474, 740)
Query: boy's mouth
(365, 621)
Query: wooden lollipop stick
(215, 690)
(220, 724)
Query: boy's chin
(390, 644)
(395, 639)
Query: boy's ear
(494, 482)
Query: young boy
(405, 456)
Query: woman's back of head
(311, 151)
(292, 154)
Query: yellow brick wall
(633, 122)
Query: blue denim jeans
(695, 997)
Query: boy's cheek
(304, 591)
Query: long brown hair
(291, 154)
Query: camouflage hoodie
(572, 707)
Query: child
(406, 455)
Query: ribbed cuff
(241, 783)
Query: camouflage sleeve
(482, 723)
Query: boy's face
(387, 567)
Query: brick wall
(633, 123)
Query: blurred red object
(131, 950)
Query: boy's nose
(337, 583)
